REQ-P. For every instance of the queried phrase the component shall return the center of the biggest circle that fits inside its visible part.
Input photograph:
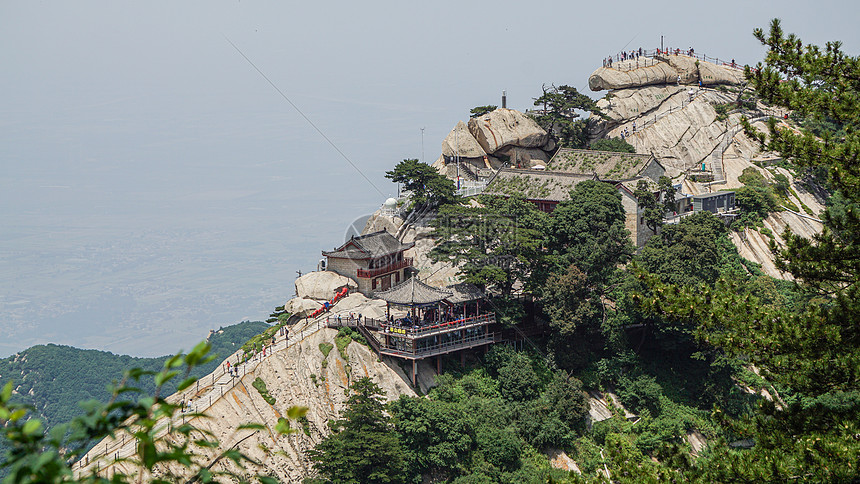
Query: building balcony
(395, 266)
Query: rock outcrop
(490, 141)
(667, 70)
(294, 375)
(300, 307)
(608, 78)
(322, 285)
(681, 126)
(506, 127)
(460, 142)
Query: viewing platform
(422, 342)
(436, 322)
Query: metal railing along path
(199, 399)
(655, 54)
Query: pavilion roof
(413, 292)
(376, 244)
(464, 292)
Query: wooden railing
(406, 262)
(425, 331)
(442, 348)
(375, 330)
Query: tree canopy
(479, 111)
(813, 351)
(559, 114)
(362, 447)
(612, 144)
(428, 188)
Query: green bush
(342, 340)
(752, 177)
(260, 385)
(326, 348)
(612, 144)
(500, 446)
(722, 111)
(640, 393)
(263, 338)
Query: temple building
(374, 261)
(430, 322)
(549, 185)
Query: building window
(373, 284)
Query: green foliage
(495, 245)
(722, 111)
(37, 456)
(559, 114)
(429, 189)
(479, 111)
(436, 435)
(664, 185)
(588, 231)
(501, 447)
(264, 338)
(572, 303)
(652, 212)
(353, 335)
(517, 379)
(781, 185)
(362, 447)
(260, 385)
(752, 177)
(54, 380)
(325, 349)
(342, 341)
(640, 393)
(612, 144)
(688, 253)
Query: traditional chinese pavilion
(375, 261)
(437, 322)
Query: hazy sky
(153, 185)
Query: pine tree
(363, 448)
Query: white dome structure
(389, 207)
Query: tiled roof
(534, 184)
(413, 292)
(607, 165)
(711, 195)
(368, 246)
(464, 292)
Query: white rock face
(506, 127)
(293, 376)
(711, 74)
(685, 67)
(608, 78)
(378, 222)
(666, 71)
(524, 157)
(460, 142)
(683, 135)
(322, 285)
(302, 307)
